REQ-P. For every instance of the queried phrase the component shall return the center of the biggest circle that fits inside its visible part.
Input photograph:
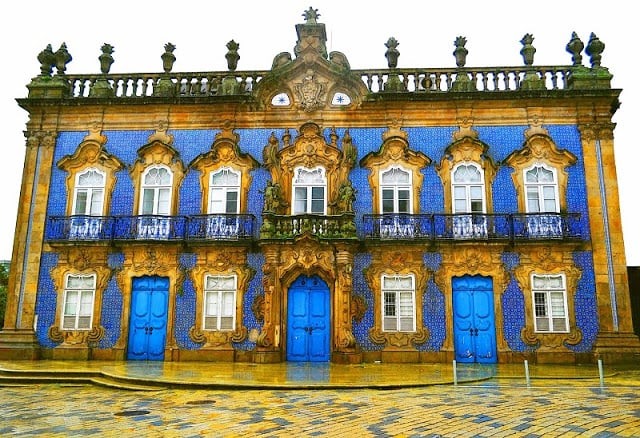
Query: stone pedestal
(19, 345)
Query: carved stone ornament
(395, 152)
(358, 307)
(311, 92)
(545, 260)
(257, 308)
(398, 261)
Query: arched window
(309, 191)
(468, 189)
(156, 191)
(395, 191)
(88, 198)
(224, 192)
(541, 189)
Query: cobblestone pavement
(493, 409)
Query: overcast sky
(200, 30)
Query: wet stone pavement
(492, 408)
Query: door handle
(474, 330)
(310, 330)
(146, 330)
(151, 330)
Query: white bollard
(455, 374)
(601, 373)
(526, 372)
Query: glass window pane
(148, 201)
(96, 202)
(81, 202)
(232, 202)
(164, 201)
(71, 305)
(300, 200)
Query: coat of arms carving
(311, 92)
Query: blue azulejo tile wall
(185, 314)
(585, 304)
(46, 300)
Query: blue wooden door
(308, 315)
(474, 330)
(148, 322)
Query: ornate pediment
(312, 80)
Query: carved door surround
(395, 151)
(539, 148)
(151, 260)
(91, 154)
(225, 152)
(547, 260)
(397, 261)
(309, 150)
(220, 261)
(466, 148)
(284, 263)
(469, 259)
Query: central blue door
(148, 322)
(308, 315)
(474, 330)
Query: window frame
(156, 191)
(221, 292)
(396, 188)
(80, 293)
(397, 304)
(546, 293)
(90, 193)
(467, 187)
(308, 193)
(225, 189)
(540, 189)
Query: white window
(224, 192)
(281, 99)
(550, 303)
(468, 189)
(156, 191)
(468, 202)
(395, 191)
(220, 302)
(309, 191)
(88, 198)
(78, 302)
(398, 303)
(541, 189)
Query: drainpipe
(607, 237)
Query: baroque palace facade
(313, 212)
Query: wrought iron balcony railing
(323, 226)
(474, 227)
(150, 228)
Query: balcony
(474, 227)
(321, 226)
(150, 228)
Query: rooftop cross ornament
(311, 15)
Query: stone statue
(272, 197)
(346, 196)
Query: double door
(473, 319)
(148, 321)
(308, 315)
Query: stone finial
(63, 57)
(311, 15)
(460, 51)
(392, 52)
(527, 50)
(232, 55)
(168, 58)
(575, 46)
(595, 47)
(47, 60)
(105, 58)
